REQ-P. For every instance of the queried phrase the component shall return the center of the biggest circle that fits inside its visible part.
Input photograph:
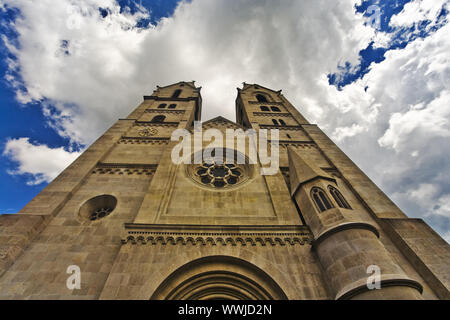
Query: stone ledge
(388, 280)
(216, 235)
(343, 227)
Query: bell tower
(351, 220)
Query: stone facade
(140, 226)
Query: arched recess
(219, 278)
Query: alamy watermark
(74, 281)
(374, 12)
(374, 280)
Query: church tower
(139, 225)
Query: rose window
(98, 207)
(100, 213)
(226, 171)
(219, 175)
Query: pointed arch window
(275, 122)
(275, 109)
(158, 119)
(282, 122)
(339, 198)
(264, 108)
(162, 106)
(176, 94)
(172, 106)
(320, 199)
(261, 98)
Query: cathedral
(124, 221)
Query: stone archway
(219, 277)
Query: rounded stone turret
(346, 240)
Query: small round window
(98, 208)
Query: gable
(221, 123)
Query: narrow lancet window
(339, 198)
(321, 200)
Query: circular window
(218, 174)
(98, 207)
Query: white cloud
(39, 162)
(110, 65)
(341, 133)
(426, 121)
(394, 122)
(417, 11)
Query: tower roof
(257, 86)
(222, 119)
(189, 83)
(301, 171)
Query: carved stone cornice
(125, 169)
(165, 111)
(272, 114)
(266, 103)
(293, 142)
(272, 126)
(156, 98)
(297, 144)
(155, 124)
(144, 140)
(216, 235)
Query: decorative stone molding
(144, 140)
(272, 126)
(148, 132)
(216, 235)
(125, 169)
(156, 98)
(155, 124)
(297, 144)
(272, 114)
(165, 111)
(267, 103)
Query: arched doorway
(219, 278)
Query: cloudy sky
(374, 75)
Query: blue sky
(19, 120)
(379, 90)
